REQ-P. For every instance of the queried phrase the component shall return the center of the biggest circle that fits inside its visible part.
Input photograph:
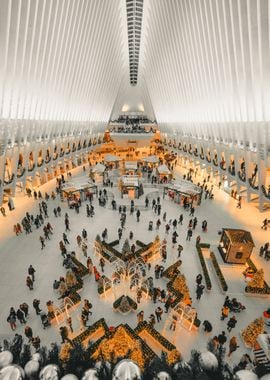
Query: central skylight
(134, 25)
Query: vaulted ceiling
(199, 61)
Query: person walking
(65, 239)
(25, 309)
(232, 345)
(231, 323)
(179, 249)
(199, 291)
(31, 272)
(152, 320)
(140, 316)
(239, 202)
(222, 339)
(120, 231)
(89, 264)
(181, 218)
(159, 313)
(189, 234)
(28, 333)
(138, 214)
(42, 241)
(173, 323)
(11, 319)
(224, 312)
(36, 304)
(69, 323)
(102, 264)
(199, 279)
(20, 316)
(29, 283)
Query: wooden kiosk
(97, 173)
(74, 192)
(129, 186)
(164, 174)
(179, 191)
(235, 245)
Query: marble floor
(17, 252)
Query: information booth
(179, 191)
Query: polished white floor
(17, 252)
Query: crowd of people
(162, 298)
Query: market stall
(164, 174)
(151, 160)
(112, 161)
(130, 186)
(130, 167)
(182, 191)
(97, 173)
(77, 192)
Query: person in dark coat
(31, 272)
(199, 291)
(231, 323)
(28, 333)
(207, 326)
(20, 316)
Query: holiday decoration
(251, 332)
(119, 345)
(64, 354)
(173, 357)
(258, 280)
(179, 284)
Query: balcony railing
(232, 170)
(31, 167)
(40, 163)
(222, 165)
(242, 176)
(20, 172)
(251, 184)
(10, 180)
(265, 192)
